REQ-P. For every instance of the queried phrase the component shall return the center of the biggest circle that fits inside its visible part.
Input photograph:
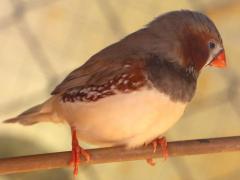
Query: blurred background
(43, 40)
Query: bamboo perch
(118, 154)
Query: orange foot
(163, 143)
(77, 151)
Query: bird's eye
(211, 45)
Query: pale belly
(130, 119)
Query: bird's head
(190, 39)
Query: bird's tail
(39, 113)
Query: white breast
(131, 119)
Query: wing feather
(98, 72)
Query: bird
(133, 91)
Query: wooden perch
(118, 154)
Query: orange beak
(219, 60)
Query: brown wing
(123, 83)
(110, 62)
(98, 72)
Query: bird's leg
(163, 144)
(77, 151)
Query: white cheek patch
(213, 53)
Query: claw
(151, 161)
(164, 147)
(77, 151)
(163, 144)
